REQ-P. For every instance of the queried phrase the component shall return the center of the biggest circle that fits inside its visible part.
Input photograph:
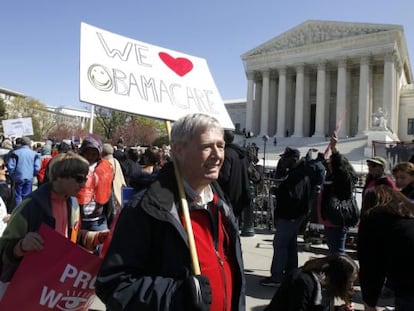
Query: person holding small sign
(339, 184)
(148, 264)
(54, 204)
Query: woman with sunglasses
(54, 204)
(377, 167)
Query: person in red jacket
(149, 262)
(45, 159)
(95, 197)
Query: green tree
(32, 108)
(108, 121)
(2, 109)
(134, 129)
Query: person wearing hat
(376, 177)
(23, 164)
(287, 160)
(95, 197)
(376, 174)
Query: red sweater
(212, 250)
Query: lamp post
(265, 139)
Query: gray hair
(185, 128)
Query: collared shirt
(202, 199)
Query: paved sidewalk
(257, 255)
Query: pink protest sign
(60, 277)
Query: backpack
(314, 168)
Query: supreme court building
(305, 81)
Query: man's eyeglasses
(80, 179)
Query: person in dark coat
(314, 286)
(150, 264)
(130, 165)
(149, 170)
(339, 183)
(386, 247)
(233, 178)
(292, 207)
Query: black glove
(199, 292)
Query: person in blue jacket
(23, 164)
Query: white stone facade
(304, 81)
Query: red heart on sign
(180, 65)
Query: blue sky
(39, 51)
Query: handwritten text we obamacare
(148, 88)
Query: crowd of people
(385, 240)
(176, 244)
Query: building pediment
(316, 32)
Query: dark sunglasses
(2, 166)
(80, 179)
(373, 164)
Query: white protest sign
(132, 76)
(17, 127)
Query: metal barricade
(264, 202)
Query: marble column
(341, 98)
(320, 124)
(249, 103)
(257, 107)
(364, 96)
(272, 106)
(264, 118)
(299, 100)
(281, 104)
(389, 87)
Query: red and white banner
(60, 277)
